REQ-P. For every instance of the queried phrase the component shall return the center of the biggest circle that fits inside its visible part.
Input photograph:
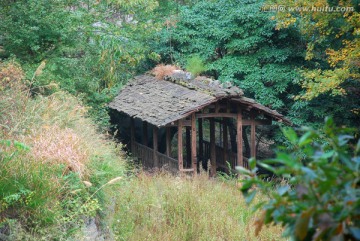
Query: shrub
(195, 65)
(320, 199)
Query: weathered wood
(213, 115)
(257, 122)
(231, 115)
(168, 141)
(188, 147)
(155, 144)
(145, 133)
(132, 134)
(240, 161)
(225, 139)
(253, 136)
(180, 145)
(212, 148)
(201, 144)
(193, 143)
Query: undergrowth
(164, 207)
(54, 167)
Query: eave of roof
(161, 102)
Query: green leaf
(243, 170)
(302, 224)
(291, 135)
(252, 163)
(250, 196)
(357, 149)
(282, 190)
(306, 139)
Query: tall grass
(52, 161)
(164, 207)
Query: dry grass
(161, 70)
(164, 207)
(54, 145)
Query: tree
(87, 48)
(240, 43)
(331, 31)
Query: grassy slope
(52, 160)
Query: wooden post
(193, 143)
(188, 147)
(132, 133)
(201, 144)
(168, 141)
(145, 133)
(225, 139)
(155, 144)
(239, 141)
(212, 147)
(253, 137)
(180, 145)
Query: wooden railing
(220, 162)
(145, 156)
(168, 163)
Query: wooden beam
(132, 134)
(180, 145)
(155, 144)
(145, 133)
(212, 148)
(168, 141)
(239, 141)
(193, 143)
(225, 139)
(213, 115)
(201, 144)
(257, 122)
(253, 136)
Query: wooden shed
(179, 102)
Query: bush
(320, 198)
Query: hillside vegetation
(57, 173)
(52, 162)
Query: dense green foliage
(319, 195)
(240, 43)
(87, 49)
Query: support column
(193, 143)
(212, 147)
(253, 136)
(180, 145)
(225, 139)
(155, 144)
(132, 133)
(145, 133)
(201, 144)
(188, 147)
(239, 141)
(168, 141)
